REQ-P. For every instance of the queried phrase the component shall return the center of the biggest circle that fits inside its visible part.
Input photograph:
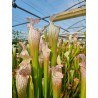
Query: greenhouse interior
(49, 49)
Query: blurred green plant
(57, 68)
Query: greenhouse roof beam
(16, 6)
(70, 14)
(80, 37)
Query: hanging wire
(69, 9)
(18, 17)
(33, 3)
(77, 27)
(80, 7)
(42, 18)
(54, 8)
(32, 7)
(76, 23)
(15, 20)
(81, 29)
(16, 6)
(47, 16)
(74, 5)
(50, 5)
